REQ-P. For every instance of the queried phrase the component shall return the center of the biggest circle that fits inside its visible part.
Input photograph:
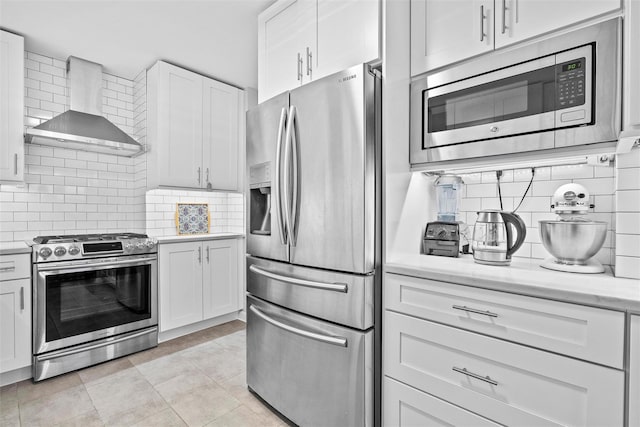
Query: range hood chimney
(83, 127)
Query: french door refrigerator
(313, 243)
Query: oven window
(89, 301)
(523, 95)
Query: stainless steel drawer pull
(504, 17)
(481, 23)
(12, 268)
(474, 310)
(486, 379)
(22, 298)
(339, 341)
(15, 164)
(200, 255)
(337, 287)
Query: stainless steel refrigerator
(313, 243)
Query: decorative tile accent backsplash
(225, 210)
(481, 192)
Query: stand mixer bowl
(572, 242)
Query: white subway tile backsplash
(628, 201)
(628, 267)
(629, 179)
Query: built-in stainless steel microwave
(557, 92)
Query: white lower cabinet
(469, 354)
(406, 406)
(15, 312)
(634, 373)
(197, 281)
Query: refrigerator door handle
(291, 167)
(339, 341)
(336, 287)
(278, 177)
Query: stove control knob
(74, 250)
(140, 245)
(150, 244)
(59, 251)
(128, 246)
(45, 252)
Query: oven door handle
(105, 264)
(339, 341)
(56, 354)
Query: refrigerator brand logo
(347, 78)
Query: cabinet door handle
(200, 255)
(504, 16)
(481, 22)
(22, 298)
(474, 310)
(299, 69)
(198, 175)
(15, 164)
(486, 379)
(207, 173)
(309, 64)
(207, 254)
(12, 268)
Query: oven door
(81, 301)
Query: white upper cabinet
(442, 34)
(444, 31)
(518, 20)
(634, 372)
(303, 40)
(631, 82)
(193, 128)
(11, 107)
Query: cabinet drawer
(587, 333)
(505, 382)
(16, 266)
(406, 406)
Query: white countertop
(10, 248)
(197, 237)
(525, 277)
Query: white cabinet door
(634, 373)
(406, 406)
(220, 142)
(15, 324)
(180, 284)
(179, 127)
(11, 107)
(631, 82)
(446, 31)
(285, 30)
(220, 290)
(518, 20)
(347, 36)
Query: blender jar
(448, 195)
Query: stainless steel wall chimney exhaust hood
(82, 127)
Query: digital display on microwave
(572, 66)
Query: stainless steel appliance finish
(582, 65)
(313, 277)
(95, 298)
(318, 371)
(493, 241)
(572, 242)
(82, 127)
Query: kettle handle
(521, 228)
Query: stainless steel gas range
(94, 299)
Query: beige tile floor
(195, 380)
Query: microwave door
(333, 142)
(265, 228)
(516, 100)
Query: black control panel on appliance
(570, 83)
(441, 238)
(102, 247)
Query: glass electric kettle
(493, 241)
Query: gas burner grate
(70, 238)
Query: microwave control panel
(570, 81)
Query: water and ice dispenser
(260, 199)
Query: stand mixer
(572, 239)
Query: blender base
(592, 266)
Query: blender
(442, 237)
